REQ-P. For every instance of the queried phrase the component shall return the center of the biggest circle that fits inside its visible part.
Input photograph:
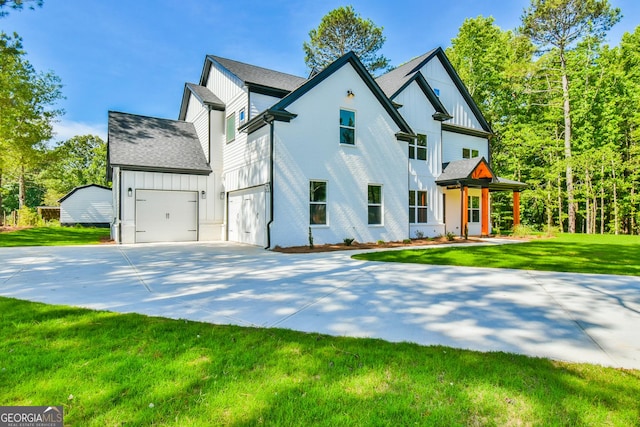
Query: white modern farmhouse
(270, 159)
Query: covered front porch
(467, 185)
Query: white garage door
(247, 216)
(166, 216)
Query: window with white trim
(347, 127)
(473, 212)
(417, 207)
(418, 148)
(242, 118)
(468, 153)
(374, 204)
(317, 202)
(231, 127)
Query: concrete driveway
(582, 318)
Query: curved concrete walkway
(575, 317)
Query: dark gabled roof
(152, 144)
(460, 170)
(202, 94)
(279, 109)
(255, 76)
(464, 172)
(398, 78)
(70, 193)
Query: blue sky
(135, 55)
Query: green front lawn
(110, 369)
(53, 236)
(578, 253)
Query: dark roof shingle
(253, 74)
(149, 143)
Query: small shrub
(348, 241)
(451, 236)
(552, 231)
(419, 234)
(28, 217)
(406, 241)
(522, 230)
(381, 242)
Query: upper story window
(436, 91)
(468, 153)
(418, 148)
(347, 127)
(242, 117)
(417, 207)
(317, 203)
(374, 204)
(231, 127)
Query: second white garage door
(166, 216)
(247, 216)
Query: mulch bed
(370, 245)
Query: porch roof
(475, 172)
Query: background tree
(78, 161)
(343, 30)
(26, 98)
(560, 24)
(17, 5)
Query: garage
(247, 216)
(166, 216)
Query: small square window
(347, 127)
(436, 91)
(242, 117)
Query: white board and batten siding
(198, 114)
(449, 95)
(453, 143)
(308, 148)
(90, 205)
(209, 208)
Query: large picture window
(317, 202)
(417, 207)
(231, 127)
(473, 213)
(418, 148)
(374, 196)
(347, 127)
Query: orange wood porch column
(516, 208)
(485, 212)
(465, 209)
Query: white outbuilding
(89, 205)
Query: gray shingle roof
(252, 74)
(149, 143)
(206, 96)
(459, 169)
(393, 80)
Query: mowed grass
(577, 253)
(53, 236)
(111, 369)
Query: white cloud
(67, 129)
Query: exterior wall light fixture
(350, 93)
(129, 192)
(203, 194)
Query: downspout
(269, 119)
(121, 203)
